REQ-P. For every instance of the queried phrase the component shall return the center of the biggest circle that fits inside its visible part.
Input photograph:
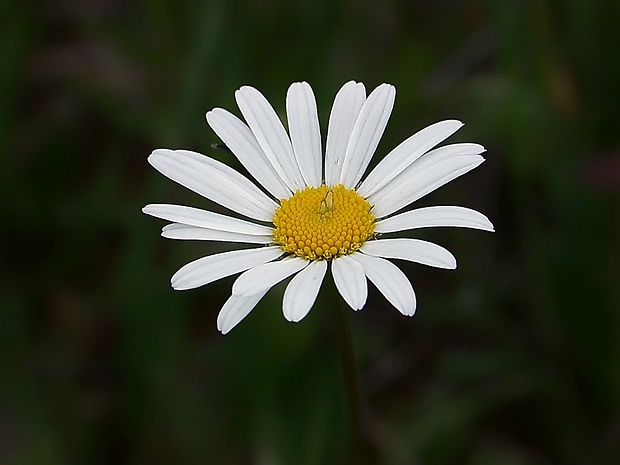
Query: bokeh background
(511, 359)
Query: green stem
(349, 370)
(363, 446)
(347, 358)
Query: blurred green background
(511, 359)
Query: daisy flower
(308, 213)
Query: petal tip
(161, 151)
(293, 318)
(221, 327)
(409, 311)
(487, 226)
(236, 291)
(223, 330)
(350, 83)
(179, 287)
(299, 84)
(245, 90)
(157, 155)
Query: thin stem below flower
(350, 376)
(349, 368)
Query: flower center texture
(323, 222)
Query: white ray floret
(392, 198)
(303, 124)
(185, 232)
(406, 153)
(205, 219)
(428, 217)
(271, 135)
(308, 210)
(236, 309)
(366, 134)
(390, 281)
(424, 166)
(347, 105)
(350, 281)
(215, 181)
(213, 267)
(267, 275)
(241, 141)
(413, 250)
(302, 291)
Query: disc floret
(323, 222)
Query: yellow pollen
(322, 223)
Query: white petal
(367, 133)
(413, 250)
(205, 219)
(448, 151)
(267, 275)
(350, 281)
(213, 267)
(301, 292)
(426, 161)
(406, 153)
(215, 181)
(347, 105)
(397, 195)
(390, 281)
(236, 309)
(239, 139)
(458, 217)
(303, 125)
(271, 135)
(185, 232)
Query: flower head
(307, 215)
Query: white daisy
(309, 216)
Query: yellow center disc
(322, 222)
